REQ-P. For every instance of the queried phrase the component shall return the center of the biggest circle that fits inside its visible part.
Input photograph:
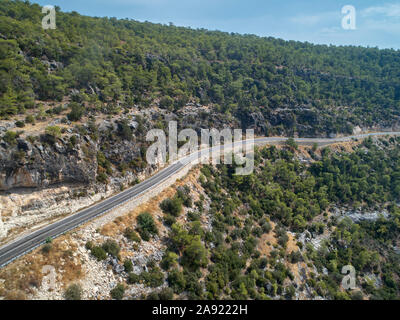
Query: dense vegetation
(285, 195)
(108, 64)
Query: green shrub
(20, 124)
(73, 292)
(183, 193)
(128, 265)
(10, 137)
(73, 140)
(133, 278)
(169, 220)
(169, 260)
(195, 255)
(146, 226)
(30, 119)
(166, 102)
(266, 227)
(153, 278)
(131, 235)
(102, 177)
(89, 245)
(111, 247)
(53, 131)
(282, 237)
(172, 206)
(194, 216)
(124, 130)
(76, 111)
(99, 253)
(47, 248)
(291, 143)
(176, 281)
(166, 294)
(196, 229)
(295, 257)
(152, 296)
(118, 292)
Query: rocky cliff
(40, 164)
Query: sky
(377, 22)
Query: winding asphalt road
(14, 250)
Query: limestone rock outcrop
(41, 164)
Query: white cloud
(388, 10)
(386, 26)
(384, 18)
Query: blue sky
(377, 21)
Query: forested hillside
(109, 65)
(298, 204)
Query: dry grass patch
(348, 146)
(267, 241)
(19, 278)
(291, 245)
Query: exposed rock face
(26, 208)
(44, 164)
(358, 216)
(43, 178)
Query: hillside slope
(108, 65)
(284, 232)
(76, 102)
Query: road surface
(13, 250)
